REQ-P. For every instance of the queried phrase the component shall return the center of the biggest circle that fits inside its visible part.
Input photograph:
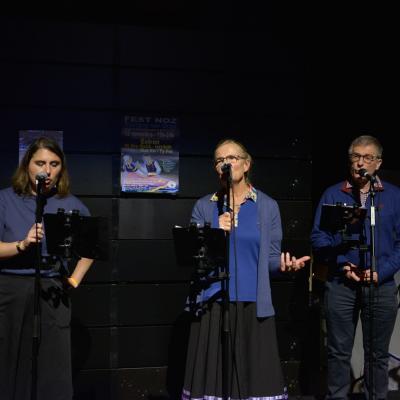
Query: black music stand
(349, 220)
(345, 219)
(68, 236)
(205, 250)
(71, 235)
(337, 217)
(200, 248)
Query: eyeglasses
(230, 159)
(368, 158)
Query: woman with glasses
(349, 258)
(253, 222)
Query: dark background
(294, 84)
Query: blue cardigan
(269, 222)
(327, 247)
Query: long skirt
(254, 369)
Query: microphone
(40, 181)
(226, 168)
(364, 174)
(41, 177)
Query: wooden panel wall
(82, 78)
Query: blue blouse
(17, 215)
(243, 255)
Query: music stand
(205, 249)
(350, 220)
(345, 219)
(68, 235)
(71, 235)
(200, 248)
(339, 216)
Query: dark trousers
(345, 301)
(16, 326)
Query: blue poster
(149, 155)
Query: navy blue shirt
(17, 215)
(327, 246)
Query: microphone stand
(371, 354)
(225, 301)
(36, 292)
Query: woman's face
(231, 153)
(48, 162)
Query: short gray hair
(366, 140)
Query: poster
(26, 137)
(149, 155)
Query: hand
(289, 263)
(366, 276)
(31, 236)
(225, 221)
(68, 283)
(72, 282)
(351, 271)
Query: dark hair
(366, 140)
(20, 180)
(245, 154)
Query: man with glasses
(349, 269)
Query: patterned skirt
(254, 369)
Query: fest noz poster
(149, 155)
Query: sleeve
(198, 214)
(391, 264)
(327, 247)
(2, 214)
(320, 239)
(83, 210)
(276, 240)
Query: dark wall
(352, 87)
(82, 77)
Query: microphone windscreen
(41, 176)
(226, 168)
(362, 172)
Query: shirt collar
(250, 195)
(347, 185)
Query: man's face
(364, 157)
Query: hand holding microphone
(34, 235)
(225, 221)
